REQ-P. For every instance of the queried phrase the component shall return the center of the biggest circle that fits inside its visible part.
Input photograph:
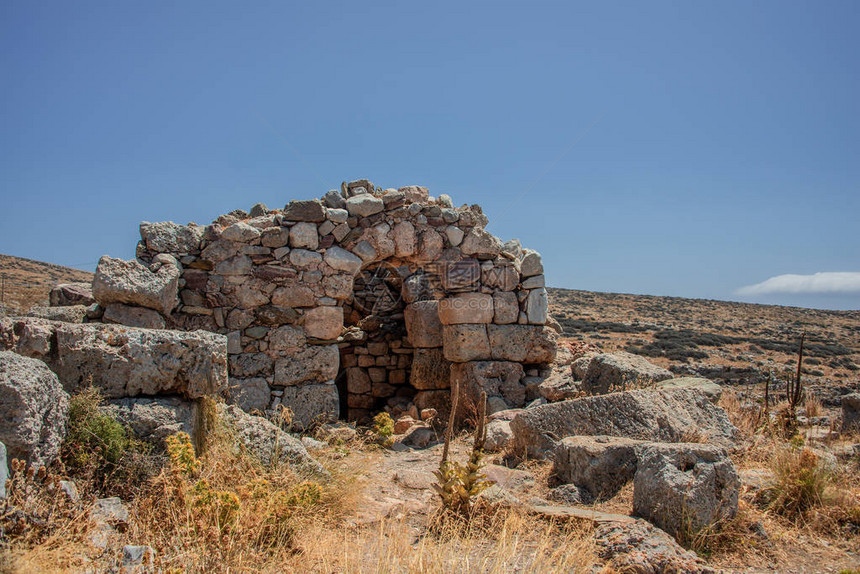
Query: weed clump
(102, 452)
(801, 482)
(383, 429)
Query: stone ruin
(364, 300)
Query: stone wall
(366, 297)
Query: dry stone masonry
(362, 300)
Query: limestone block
(342, 260)
(313, 364)
(304, 259)
(241, 232)
(66, 294)
(304, 210)
(683, 488)
(304, 235)
(294, 295)
(466, 308)
(364, 205)
(129, 282)
(323, 322)
(286, 339)
(415, 193)
(618, 371)
(502, 379)
(250, 394)
(531, 263)
(466, 342)
(275, 237)
(133, 316)
(33, 410)
(169, 237)
(423, 326)
(537, 305)
(430, 370)
(481, 243)
(505, 308)
(404, 239)
(530, 344)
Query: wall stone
(362, 300)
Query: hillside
(730, 342)
(26, 283)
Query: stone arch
(277, 283)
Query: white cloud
(827, 282)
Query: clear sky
(696, 149)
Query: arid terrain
(26, 283)
(379, 510)
(731, 343)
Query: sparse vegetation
(100, 451)
(383, 429)
(459, 485)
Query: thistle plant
(458, 485)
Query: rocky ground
(647, 446)
(731, 343)
(26, 283)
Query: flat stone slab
(574, 513)
(677, 415)
(123, 361)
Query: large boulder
(530, 344)
(466, 308)
(34, 409)
(153, 419)
(620, 371)
(851, 412)
(170, 237)
(124, 361)
(312, 404)
(133, 316)
(269, 443)
(557, 386)
(640, 548)
(671, 416)
(464, 343)
(311, 364)
(707, 386)
(501, 379)
(323, 322)
(684, 488)
(600, 464)
(422, 324)
(67, 314)
(67, 294)
(132, 283)
(430, 370)
(481, 243)
(499, 435)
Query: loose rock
(33, 409)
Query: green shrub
(92, 433)
(383, 428)
(98, 449)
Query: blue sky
(669, 148)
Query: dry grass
(505, 541)
(225, 512)
(813, 406)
